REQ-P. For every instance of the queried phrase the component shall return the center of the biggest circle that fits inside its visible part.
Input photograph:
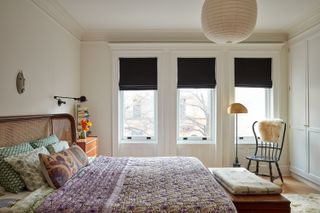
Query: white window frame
(199, 140)
(138, 139)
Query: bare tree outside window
(194, 113)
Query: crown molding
(61, 16)
(141, 35)
(259, 37)
(304, 25)
(270, 47)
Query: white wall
(48, 55)
(96, 75)
(96, 86)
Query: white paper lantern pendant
(228, 21)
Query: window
(138, 89)
(195, 114)
(257, 101)
(253, 84)
(195, 104)
(138, 114)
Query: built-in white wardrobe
(304, 104)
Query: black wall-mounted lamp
(60, 102)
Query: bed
(108, 184)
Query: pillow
(58, 168)
(28, 166)
(44, 141)
(80, 155)
(10, 180)
(58, 147)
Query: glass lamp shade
(228, 21)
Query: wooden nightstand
(89, 145)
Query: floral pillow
(58, 147)
(28, 166)
(58, 168)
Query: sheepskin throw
(270, 130)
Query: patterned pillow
(28, 166)
(58, 147)
(10, 180)
(58, 168)
(44, 141)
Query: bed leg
(257, 168)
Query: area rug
(304, 203)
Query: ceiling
(274, 16)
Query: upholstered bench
(240, 181)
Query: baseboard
(306, 181)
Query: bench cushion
(241, 181)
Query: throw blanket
(168, 184)
(270, 130)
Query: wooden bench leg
(278, 168)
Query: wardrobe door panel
(314, 81)
(298, 60)
(298, 152)
(314, 156)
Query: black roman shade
(138, 73)
(196, 73)
(253, 72)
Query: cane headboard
(19, 129)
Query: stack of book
(81, 112)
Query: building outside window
(138, 113)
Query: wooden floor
(294, 186)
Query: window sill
(247, 141)
(195, 142)
(138, 142)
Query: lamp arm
(56, 97)
(81, 98)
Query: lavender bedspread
(167, 184)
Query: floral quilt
(163, 184)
